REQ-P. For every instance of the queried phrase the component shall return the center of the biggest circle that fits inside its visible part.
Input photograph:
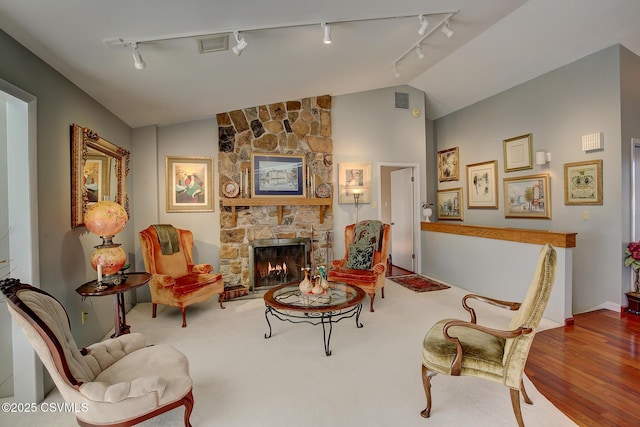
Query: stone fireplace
(300, 127)
(275, 262)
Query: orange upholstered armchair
(365, 261)
(176, 281)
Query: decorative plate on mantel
(230, 189)
(323, 190)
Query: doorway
(18, 129)
(399, 187)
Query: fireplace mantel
(279, 202)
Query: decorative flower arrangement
(425, 205)
(633, 260)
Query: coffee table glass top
(337, 297)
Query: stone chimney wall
(293, 127)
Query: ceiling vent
(217, 43)
(402, 100)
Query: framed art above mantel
(278, 175)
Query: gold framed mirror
(98, 172)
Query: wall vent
(402, 100)
(214, 43)
(593, 142)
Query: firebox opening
(274, 262)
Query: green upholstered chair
(457, 347)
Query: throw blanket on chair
(168, 238)
(367, 233)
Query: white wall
(557, 108)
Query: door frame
(28, 380)
(415, 203)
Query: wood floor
(394, 270)
(591, 370)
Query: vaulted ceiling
(496, 45)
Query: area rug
(418, 283)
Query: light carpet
(371, 379)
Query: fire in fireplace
(274, 262)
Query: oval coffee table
(287, 303)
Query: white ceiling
(497, 44)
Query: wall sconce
(356, 191)
(542, 157)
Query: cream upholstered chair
(119, 381)
(457, 347)
(366, 255)
(176, 280)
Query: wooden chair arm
(491, 301)
(456, 365)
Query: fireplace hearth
(274, 262)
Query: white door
(402, 218)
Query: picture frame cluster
(524, 196)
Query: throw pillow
(360, 257)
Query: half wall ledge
(497, 262)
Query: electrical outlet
(585, 215)
(85, 314)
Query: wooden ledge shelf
(279, 202)
(537, 237)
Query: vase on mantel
(636, 281)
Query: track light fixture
(396, 73)
(327, 33)
(447, 30)
(241, 43)
(427, 27)
(138, 62)
(423, 25)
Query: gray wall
(151, 147)
(368, 128)
(64, 252)
(558, 108)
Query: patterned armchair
(456, 347)
(176, 281)
(366, 256)
(116, 382)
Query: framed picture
(583, 183)
(448, 169)
(527, 197)
(96, 177)
(518, 154)
(277, 175)
(450, 204)
(354, 178)
(482, 185)
(189, 182)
